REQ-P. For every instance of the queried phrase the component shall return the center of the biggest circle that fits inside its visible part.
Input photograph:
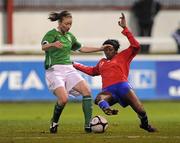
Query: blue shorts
(118, 91)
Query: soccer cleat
(109, 111)
(87, 129)
(53, 128)
(148, 128)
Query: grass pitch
(28, 122)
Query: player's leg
(137, 106)
(55, 82)
(62, 99)
(104, 100)
(75, 81)
(84, 89)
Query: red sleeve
(134, 47)
(133, 42)
(90, 70)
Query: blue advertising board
(168, 79)
(23, 80)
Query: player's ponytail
(53, 16)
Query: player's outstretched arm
(133, 42)
(90, 70)
(93, 49)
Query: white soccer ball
(98, 124)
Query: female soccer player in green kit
(61, 76)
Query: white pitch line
(99, 137)
(133, 137)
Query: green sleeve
(48, 38)
(76, 45)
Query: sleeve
(48, 38)
(134, 47)
(90, 70)
(75, 44)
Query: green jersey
(59, 55)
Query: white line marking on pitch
(104, 137)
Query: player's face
(65, 24)
(109, 52)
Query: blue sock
(103, 104)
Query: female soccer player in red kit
(114, 70)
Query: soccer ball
(98, 124)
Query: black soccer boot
(148, 128)
(53, 128)
(87, 129)
(109, 111)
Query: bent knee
(86, 92)
(101, 96)
(63, 101)
(97, 99)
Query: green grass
(28, 122)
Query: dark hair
(113, 42)
(53, 16)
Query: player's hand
(122, 21)
(105, 46)
(75, 63)
(57, 44)
(109, 111)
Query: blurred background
(155, 74)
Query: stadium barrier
(157, 45)
(153, 77)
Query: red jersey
(117, 69)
